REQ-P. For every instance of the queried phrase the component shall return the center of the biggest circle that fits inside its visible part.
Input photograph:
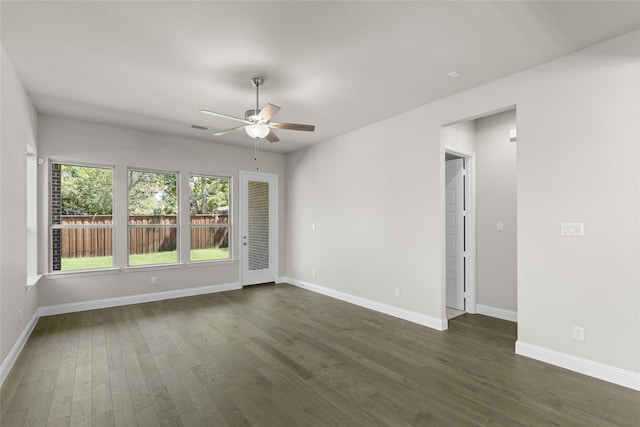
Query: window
(81, 217)
(32, 217)
(209, 222)
(153, 217)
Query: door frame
(470, 232)
(245, 177)
(456, 207)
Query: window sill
(80, 273)
(32, 281)
(133, 268)
(211, 262)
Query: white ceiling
(339, 65)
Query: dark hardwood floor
(278, 355)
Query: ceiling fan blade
(268, 111)
(224, 132)
(292, 126)
(272, 137)
(225, 116)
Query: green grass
(70, 264)
(86, 263)
(208, 254)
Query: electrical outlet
(154, 280)
(578, 333)
(19, 316)
(397, 292)
(313, 273)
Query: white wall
(496, 274)
(71, 141)
(578, 133)
(461, 136)
(377, 197)
(19, 127)
(368, 193)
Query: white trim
(499, 313)
(457, 151)
(210, 262)
(471, 237)
(167, 266)
(32, 218)
(471, 245)
(32, 281)
(134, 299)
(411, 316)
(274, 200)
(61, 274)
(583, 366)
(11, 358)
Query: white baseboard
(51, 310)
(11, 358)
(411, 316)
(499, 313)
(577, 364)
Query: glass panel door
(259, 227)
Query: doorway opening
(459, 232)
(480, 249)
(258, 225)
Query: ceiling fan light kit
(257, 130)
(257, 122)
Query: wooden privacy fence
(150, 234)
(203, 237)
(85, 242)
(89, 239)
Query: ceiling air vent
(199, 127)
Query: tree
(208, 194)
(86, 190)
(152, 193)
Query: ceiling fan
(257, 123)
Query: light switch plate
(572, 229)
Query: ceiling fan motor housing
(251, 115)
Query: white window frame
(228, 225)
(175, 226)
(32, 218)
(79, 226)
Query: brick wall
(56, 206)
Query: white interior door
(258, 238)
(454, 202)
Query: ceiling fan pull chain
(256, 153)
